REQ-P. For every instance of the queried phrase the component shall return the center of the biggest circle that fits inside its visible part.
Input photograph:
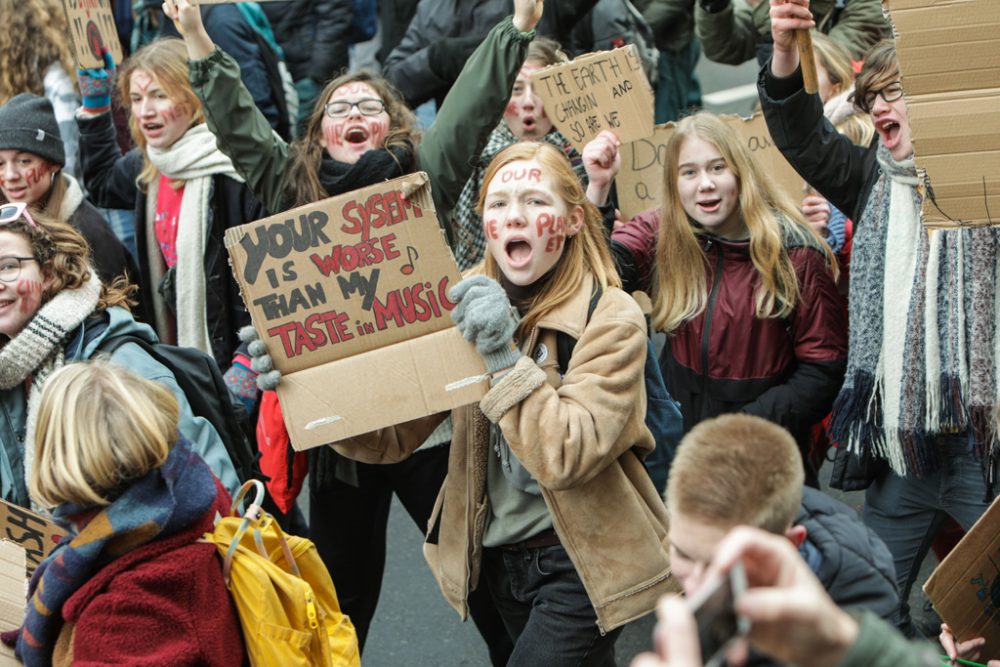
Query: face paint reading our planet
(25, 177)
(526, 221)
(347, 139)
(524, 114)
(161, 120)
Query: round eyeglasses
(368, 107)
(10, 267)
(890, 93)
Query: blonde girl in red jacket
(546, 502)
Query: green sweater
(469, 113)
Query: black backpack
(199, 378)
(663, 413)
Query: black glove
(714, 6)
(447, 56)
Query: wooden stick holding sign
(91, 30)
(808, 60)
(607, 90)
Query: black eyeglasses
(368, 107)
(890, 93)
(10, 267)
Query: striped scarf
(165, 501)
(923, 331)
(470, 241)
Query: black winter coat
(313, 34)
(109, 255)
(830, 162)
(111, 181)
(854, 565)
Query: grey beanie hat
(28, 123)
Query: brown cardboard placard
(13, 595)
(965, 587)
(38, 535)
(949, 57)
(350, 296)
(607, 90)
(91, 28)
(640, 181)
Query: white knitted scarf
(194, 158)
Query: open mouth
(518, 252)
(356, 135)
(152, 128)
(529, 123)
(710, 205)
(889, 131)
(15, 193)
(5, 302)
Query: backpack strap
(565, 344)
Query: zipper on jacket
(706, 332)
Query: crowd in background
(797, 333)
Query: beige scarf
(194, 159)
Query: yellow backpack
(282, 591)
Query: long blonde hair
(100, 426)
(585, 252)
(165, 60)
(680, 291)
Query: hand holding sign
(788, 17)
(187, 18)
(527, 14)
(96, 85)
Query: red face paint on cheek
(332, 132)
(34, 175)
(29, 294)
(174, 113)
(376, 133)
(490, 227)
(512, 109)
(554, 244)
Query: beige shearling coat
(581, 438)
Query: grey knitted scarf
(923, 339)
(470, 241)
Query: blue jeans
(546, 609)
(907, 512)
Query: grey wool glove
(485, 317)
(268, 376)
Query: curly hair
(64, 256)
(306, 154)
(33, 38)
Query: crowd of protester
(796, 332)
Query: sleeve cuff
(512, 388)
(780, 88)
(198, 69)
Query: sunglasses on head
(13, 212)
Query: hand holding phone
(714, 610)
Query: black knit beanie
(28, 123)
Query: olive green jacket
(469, 113)
(731, 36)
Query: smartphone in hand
(713, 607)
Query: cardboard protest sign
(640, 181)
(350, 295)
(965, 586)
(91, 28)
(949, 57)
(607, 90)
(13, 595)
(38, 535)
